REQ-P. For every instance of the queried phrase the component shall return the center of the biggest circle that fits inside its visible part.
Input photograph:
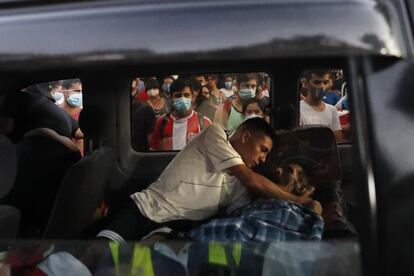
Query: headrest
(8, 165)
(93, 121)
(314, 148)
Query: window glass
(324, 101)
(167, 112)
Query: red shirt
(176, 132)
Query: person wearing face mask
(228, 88)
(173, 131)
(159, 104)
(252, 109)
(72, 90)
(73, 104)
(313, 110)
(167, 81)
(230, 114)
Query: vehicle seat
(9, 216)
(84, 185)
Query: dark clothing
(33, 110)
(143, 123)
(42, 163)
(127, 221)
(264, 102)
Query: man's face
(252, 84)
(212, 81)
(186, 93)
(254, 149)
(201, 80)
(324, 82)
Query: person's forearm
(265, 187)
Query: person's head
(153, 88)
(318, 79)
(182, 94)
(228, 82)
(247, 86)
(72, 89)
(201, 79)
(134, 88)
(212, 81)
(166, 84)
(290, 177)
(253, 140)
(252, 109)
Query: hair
(152, 84)
(318, 72)
(250, 101)
(245, 78)
(68, 83)
(179, 85)
(286, 174)
(258, 126)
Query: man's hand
(266, 188)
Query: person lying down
(266, 219)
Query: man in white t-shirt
(313, 111)
(212, 172)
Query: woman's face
(253, 108)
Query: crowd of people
(168, 116)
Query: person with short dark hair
(173, 131)
(230, 114)
(313, 111)
(213, 171)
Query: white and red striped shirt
(175, 133)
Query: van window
(168, 111)
(324, 101)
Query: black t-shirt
(33, 110)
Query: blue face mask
(75, 100)
(58, 96)
(247, 93)
(228, 85)
(182, 104)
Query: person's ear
(246, 135)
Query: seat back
(312, 147)
(84, 185)
(9, 216)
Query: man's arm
(260, 184)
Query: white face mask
(251, 116)
(153, 92)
